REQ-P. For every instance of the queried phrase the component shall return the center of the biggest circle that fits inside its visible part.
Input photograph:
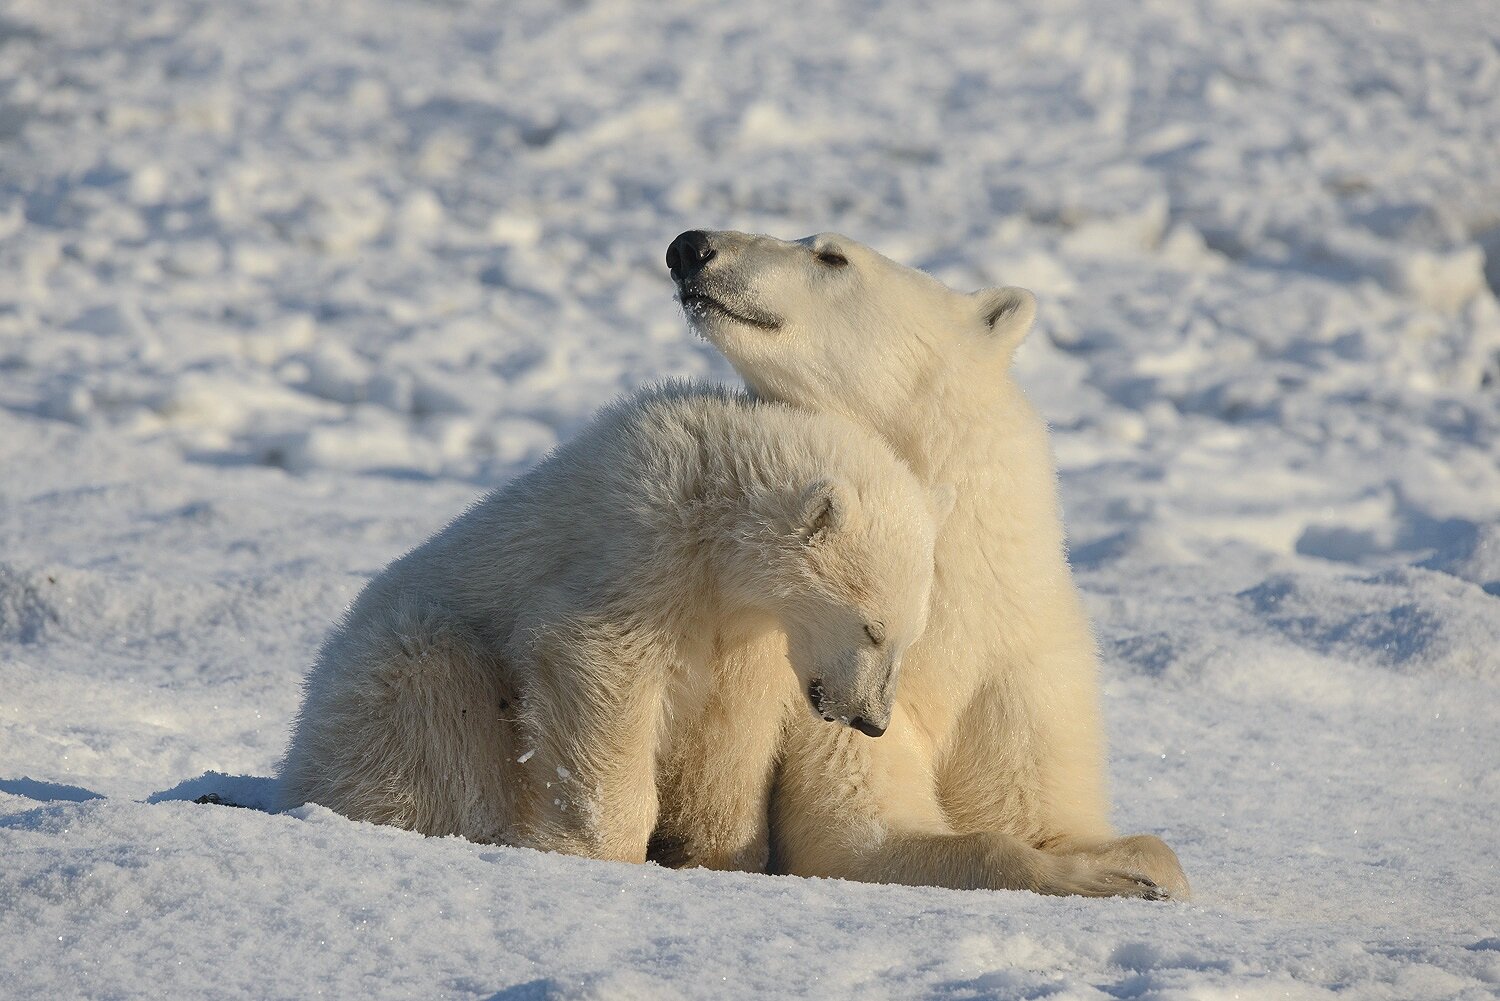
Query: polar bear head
(851, 567)
(826, 323)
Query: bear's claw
(1144, 888)
(1092, 881)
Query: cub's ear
(823, 509)
(1007, 313)
(944, 496)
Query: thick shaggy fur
(992, 774)
(619, 619)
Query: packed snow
(283, 286)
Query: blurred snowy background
(283, 285)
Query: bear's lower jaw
(699, 307)
(815, 696)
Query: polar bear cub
(519, 677)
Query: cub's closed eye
(832, 258)
(876, 634)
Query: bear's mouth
(815, 696)
(698, 305)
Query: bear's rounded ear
(823, 508)
(1007, 313)
(943, 497)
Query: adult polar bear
(992, 773)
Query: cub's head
(854, 567)
(827, 323)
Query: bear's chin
(703, 311)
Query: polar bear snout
(716, 299)
(687, 254)
(828, 709)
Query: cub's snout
(826, 709)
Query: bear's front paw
(1148, 855)
(1082, 877)
(1120, 883)
(668, 850)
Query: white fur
(992, 774)
(621, 617)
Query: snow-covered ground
(283, 285)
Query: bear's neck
(949, 433)
(993, 447)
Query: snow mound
(1407, 620)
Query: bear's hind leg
(407, 724)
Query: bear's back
(625, 500)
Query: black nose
(688, 253)
(865, 727)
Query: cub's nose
(866, 727)
(688, 253)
